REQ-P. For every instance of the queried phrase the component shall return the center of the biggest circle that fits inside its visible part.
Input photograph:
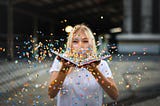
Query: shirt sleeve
(105, 69)
(56, 65)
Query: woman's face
(80, 42)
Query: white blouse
(80, 87)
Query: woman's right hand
(66, 65)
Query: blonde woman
(81, 86)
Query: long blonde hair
(89, 34)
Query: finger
(63, 60)
(93, 64)
(97, 62)
(72, 65)
(67, 63)
(58, 58)
(87, 66)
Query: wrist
(64, 69)
(92, 68)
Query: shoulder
(56, 60)
(56, 65)
(105, 69)
(103, 63)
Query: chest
(81, 78)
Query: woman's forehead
(81, 34)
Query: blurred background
(128, 29)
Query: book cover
(81, 62)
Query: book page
(81, 62)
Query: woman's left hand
(91, 66)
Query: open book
(81, 62)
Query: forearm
(59, 78)
(106, 83)
(57, 82)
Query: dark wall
(156, 16)
(136, 16)
(22, 23)
(3, 19)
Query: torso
(80, 88)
